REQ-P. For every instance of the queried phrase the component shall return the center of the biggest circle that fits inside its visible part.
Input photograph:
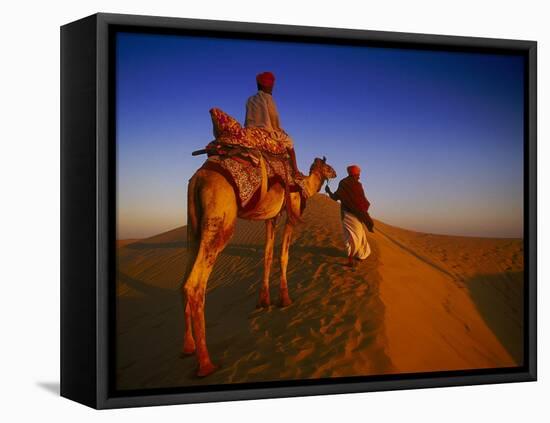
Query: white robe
(355, 237)
(261, 112)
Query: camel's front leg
(284, 298)
(264, 300)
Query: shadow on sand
(503, 312)
(244, 250)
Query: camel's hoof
(206, 370)
(188, 349)
(285, 302)
(187, 352)
(263, 304)
(264, 300)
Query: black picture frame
(88, 196)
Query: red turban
(354, 170)
(265, 79)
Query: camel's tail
(193, 225)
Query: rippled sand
(420, 302)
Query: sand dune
(419, 303)
(124, 242)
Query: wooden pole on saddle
(199, 152)
(208, 149)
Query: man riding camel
(261, 112)
(354, 211)
(237, 150)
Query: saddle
(252, 172)
(251, 161)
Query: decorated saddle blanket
(246, 177)
(229, 131)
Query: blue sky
(439, 135)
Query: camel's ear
(324, 159)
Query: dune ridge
(490, 270)
(404, 309)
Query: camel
(212, 211)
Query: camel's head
(322, 168)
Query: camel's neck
(313, 183)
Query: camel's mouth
(325, 170)
(331, 174)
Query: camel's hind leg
(217, 222)
(264, 300)
(193, 215)
(213, 239)
(188, 340)
(284, 298)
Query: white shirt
(261, 112)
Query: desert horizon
(125, 240)
(420, 303)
